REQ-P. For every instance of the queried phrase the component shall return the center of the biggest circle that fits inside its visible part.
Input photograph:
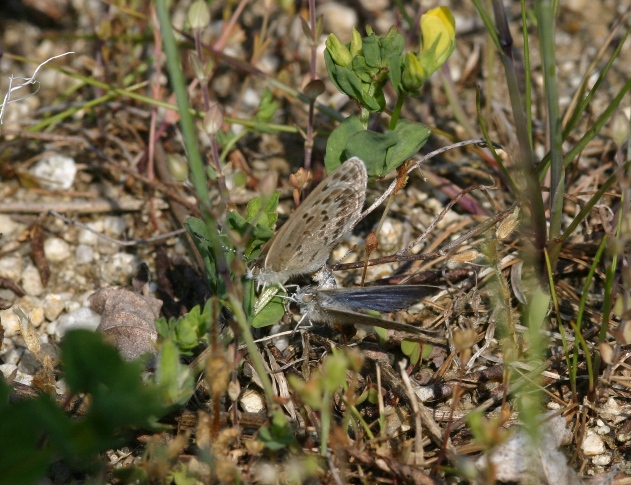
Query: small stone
(118, 269)
(56, 250)
(338, 19)
(88, 237)
(81, 318)
(13, 356)
(84, 254)
(28, 363)
(56, 172)
(10, 323)
(23, 378)
(61, 387)
(8, 226)
(11, 268)
(34, 309)
(7, 369)
(31, 282)
(53, 306)
(602, 460)
(114, 226)
(252, 402)
(593, 444)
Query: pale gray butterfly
(340, 306)
(303, 244)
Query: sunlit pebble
(56, 172)
(33, 307)
(118, 268)
(602, 460)
(252, 402)
(84, 254)
(7, 369)
(53, 306)
(8, 226)
(31, 281)
(266, 473)
(593, 444)
(114, 226)
(10, 323)
(56, 250)
(22, 378)
(83, 318)
(11, 267)
(268, 64)
(338, 19)
(88, 237)
(384, 21)
(251, 98)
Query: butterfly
(303, 244)
(342, 306)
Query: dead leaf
(127, 320)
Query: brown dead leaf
(127, 320)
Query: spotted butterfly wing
(303, 244)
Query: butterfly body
(340, 305)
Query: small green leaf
(412, 136)
(412, 350)
(270, 313)
(267, 107)
(175, 380)
(279, 434)
(336, 144)
(372, 148)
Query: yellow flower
(438, 30)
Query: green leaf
(412, 350)
(270, 313)
(175, 380)
(372, 148)
(267, 107)
(412, 136)
(336, 144)
(279, 434)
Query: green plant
(34, 433)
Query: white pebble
(56, 250)
(53, 306)
(13, 356)
(8, 226)
(602, 460)
(118, 268)
(56, 172)
(61, 386)
(88, 237)
(11, 268)
(10, 323)
(84, 254)
(31, 282)
(34, 309)
(22, 378)
(81, 318)
(338, 19)
(7, 369)
(72, 306)
(251, 401)
(114, 226)
(593, 444)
